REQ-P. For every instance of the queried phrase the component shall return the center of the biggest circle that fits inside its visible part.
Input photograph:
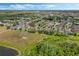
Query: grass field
(24, 42)
(2, 27)
(19, 40)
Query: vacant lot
(19, 40)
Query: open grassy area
(19, 40)
(27, 43)
(2, 27)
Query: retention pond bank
(5, 51)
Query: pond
(5, 51)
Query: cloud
(2, 8)
(20, 6)
(48, 6)
(31, 6)
(43, 6)
(38, 6)
(76, 4)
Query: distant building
(1, 24)
(75, 28)
(15, 27)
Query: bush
(75, 34)
(70, 49)
(63, 49)
(31, 30)
(41, 49)
(8, 27)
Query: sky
(39, 6)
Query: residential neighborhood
(46, 22)
(39, 29)
(39, 33)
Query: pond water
(5, 51)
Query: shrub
(75, 34)
(63, 49)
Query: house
(75, 28)
(15, 27)
(1, 24)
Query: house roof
(17, 26)
(75, 28)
